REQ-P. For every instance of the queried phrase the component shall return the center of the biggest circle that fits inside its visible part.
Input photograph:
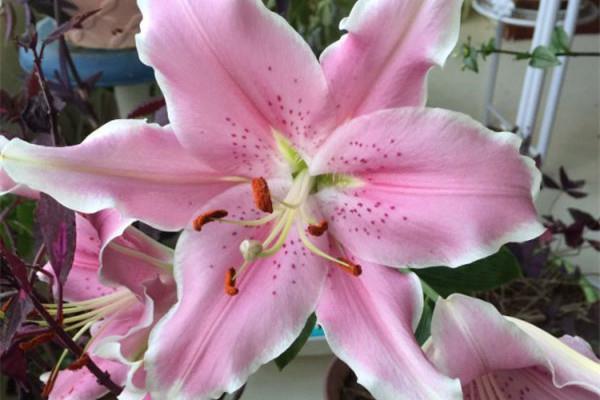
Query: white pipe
(534, 77)
(558, 74)
(491, 82)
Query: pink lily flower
(311, 177)
(497, 357)
(119, 286)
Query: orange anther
(349, 266)
(207, 217)
(230, 288)
(6, 305)
(79, 363)
(36, 341)
(318, 229)
(262, 195)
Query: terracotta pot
(336, 378)
(341, 384)
(535, 4)
(113, 27)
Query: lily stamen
(91, 303)
(286, 214)
(79, 363)
(262, 195)
(89, 311)
(36, 341)
(253, 222)
(251, 249)
(346, 265)
(318, 229)
(207, 217)
(230, 278)
(349, 267)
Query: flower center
(283, 214)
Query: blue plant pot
(118, 67)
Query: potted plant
(113, 27)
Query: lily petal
(139, 168)
(470, 340)
(568, 366)
(257, 74)
(436, 188)
(384, 59)
(133, 259)
(83, 385)
(128, 344)
(369, 322)
(210, 342)
(7, 185)
(580, 345)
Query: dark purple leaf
(576, 194)
(147, 108)
(574, 234)
(33, 85)
(14, 365)
(43, 139)
(63, 72)
(19, 306)
(28, 40)
(73, 23)
(585, 218)
(91, 81)
(530, 256)
(17, 268)
(555, 225)
(282, 7)
(9, 107)
(567, 183)
(35, 114)
(57, 225)
(594, 243)
(549, 182)
(548, 218)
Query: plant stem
(24, 284)
(52, 113)
(526, 54)
(429, 291)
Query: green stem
(429, 291)
(526, 54)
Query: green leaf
(23, 227)
(18, 225)
(488, 48)
(485, 274)
(470, 63)
(287, 356)
(522, 56)
(543, 57)
(423, 330)
(559, 41)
